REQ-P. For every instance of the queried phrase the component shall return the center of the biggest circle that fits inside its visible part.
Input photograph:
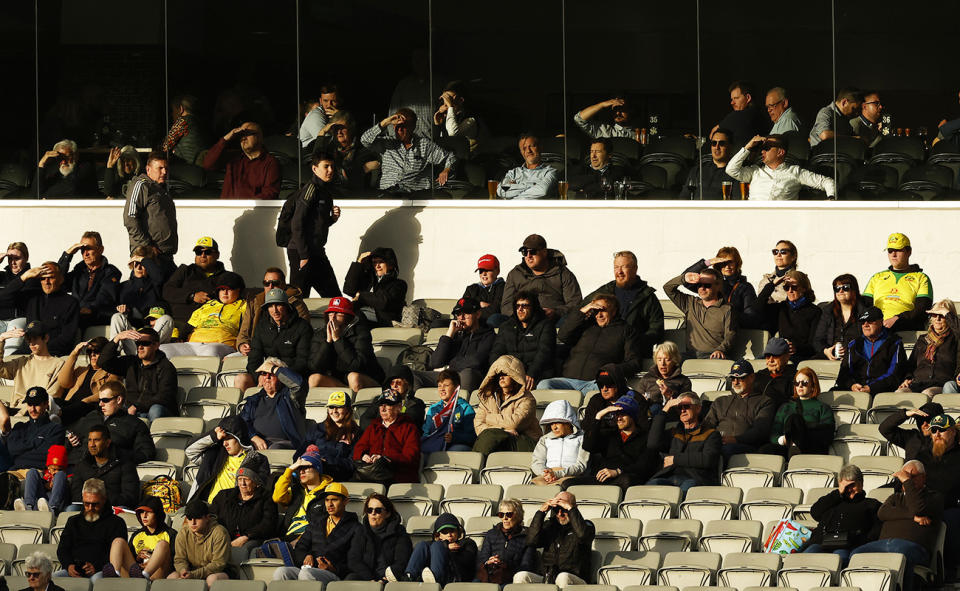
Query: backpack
(416, 357)
(284, 232)
(11, 488)
(167, 490)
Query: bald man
(566, 557)
(250, 172)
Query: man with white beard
(84, 547)
(60, 175)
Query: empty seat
(470, 587)
(24, 527)
(886, 403)
(391, 335)
(175, 432)
(670, 535)
(471, 500)
(749, 569)
(711, 502)
(507, 468)
(25, 550)
(210, 402)
(731, 536)
(802, 511)
(414, 499)
(882, 571)
(629, 568)
(545, 397)
(848, 406)
(531, 496)
(420, 527)
(646, 502)
(452, 467)
(747, 471)
(197, 585)
(615, 534)
(877, 470)
(195, 370)
(769, 504)
(279, 458)
(352, 586)
(686, 569)
(596, 501)
(530, 587)
(230, 367)
(806, 471)
(476, 527)
(805, 571)
(134, 584)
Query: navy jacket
(879, 364)
(291, 417)
(28, 442)
(101, 295)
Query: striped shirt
(406, 169)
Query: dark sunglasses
(937, 430)
(705, 286)
(719, 143)
(267, 283)
(375, 510)
(93, 351)
(781, 251)
(145, 343)
(86, 248)
(560, 511)
(893, 250)
(106, 400)
(32, 575)
(842, 287)
(204, 252)
(13, 257)
(684, 407)
(97, 504)
(738, 378)
(766, 147)
(264, 373)
(791, 287)
(523, 306)
(526, 251)
(940, 316)
(803, 383)
(507, 514)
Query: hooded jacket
(534, 345)
(632, 456)
(491, 294)
(146, 385)
(202, 554)
(289, 493)
(566, 548)
(208, 453)
(911, 289)
(387, 295)
(128, 435)
(144, 539)
(461, 564)
(644, 315)
(737, 292)
(187, 280)
(97, 293)
(878, 364)
(566, 453)
(747, 418)
(289, 412)
(118, 475)
(593, 346)
(335, 547)
(251, 316)
(352, 352)
(374, 551)
(466, 350)
(517, 412)
(28, 442)
(89, 541)
(289, 342)
(557, 287)
(597, 403)
(400, 443)
(696, 453)
(255, 518)
(312, 218)
(139, 294)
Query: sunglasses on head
(271, 283)
(505, 514)
(803, 383)
(526, 251)
(781, 251)
(375, 510)
(842, 287)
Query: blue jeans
(913, 553)
(33, 489)
(843, 553)
(155, 412)
(434, 555)
(584, 386)
(685, 484)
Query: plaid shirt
(402, 168)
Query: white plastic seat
(718, 368)
(175, 432)
(316, 306)
(646, 502)
(596, 501)
(471, 500)
(802, 511)
(531, 497)
(886, 403)
(625, 568)
(882, 571)
(689, 569)
(545, 397)
(824, 368)
(731, 536)
(670, 535)
(432, 337)
(507, 468)
(476, 527)
(452, 467)
(420, 528)
(708, 503)
(806, 471)
(196, 585)
(615, 534)
(712, 395)
(530, 587)
(949, 402)
(848, 406)
(152, 469)
(394, 335)
(24, 550)
(414, 499)
(877, 470)
(359, 491)
(769, 504)
(749, 569)
(807, 570)
(25, 527)
(195, 370)
(279, 458)
(748, 471)
(132, 584)
(229, 368)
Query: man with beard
(942, 462)
(84, 546)
(118, 474)
(913, 441)
(621, 120)
(251, 173)
(743, 418)
(59, 174)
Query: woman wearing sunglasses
(933, 361)
(804, 424)
(504, 551)
(839, 323)
(383, 543)
(784, 259)
(796, 318)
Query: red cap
(340, 304)
(488, 262)
(57, 456)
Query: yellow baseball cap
(207, 242)
(335, 488)
(898, 241)
(338, 399)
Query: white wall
(438, 242)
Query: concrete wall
(438, 242)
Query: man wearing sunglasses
(566, 539)
(149, 376)
(85, 543)
(706, 180)
(711, 328)
(942, 463)
(867, 125)
(273, 278)
(299, 490)
(94, 282)
(743, 418)
(128, 433)
(193, 285)
(776, 379)
(692, 449)
(874, 362)
(773, 179)
(902, 291)
(542, 271)
(279, 331)
(620, 113)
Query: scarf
(934, 340)
(798, 304)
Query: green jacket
(645, 315)
(816, 415)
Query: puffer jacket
(128, 435)
(566, 453)
(943, 368)
(202, 554)
(779, 387)
(518, 412)
(511, 546)
(832, 330)
(696, 453)
(593, 346)
(534, 345)
(466, 350)
(386, 295)
(557, 287)
(352, 352)
(632, 455)
(140, 294)
(372, 552)
(118, 475)
(796, 323)
(251, 316)
(748, 418)
(334, 547)
(289, 342)
(645, 315)
(187, 280)
(566, 548)
(400, 443)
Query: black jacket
(913, 442)
(737, 292)
(857, 517)
(353, 351)
(290, 343)
(589, 182)
(491, 294)
(609, 450)
(210, 455)
(465, 350)
(511, 546)
(129, 436)
(779, 388)
(535, 345)
(256, 518)
(10, 287)
(644, 315)
(696, 453)
(312, 218)
(140, 294)
(926, 374)
(297, 494)
(82, 182)
(118, 475)
(943, 475)
(89, 541)
(101, 296)
(387, 295)
(335, 547)
(59, 313)
(187, 280)
(566, 548)
(797, 325)
(593, 346)
(146, 384)
(882, 372)
(371, 554)
(832, 330)
(28, 442)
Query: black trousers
(318, 274)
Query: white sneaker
(389, 575)
(19, 505)
(42, 504)
(427, 576)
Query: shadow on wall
(254, 244)
(398, 229)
